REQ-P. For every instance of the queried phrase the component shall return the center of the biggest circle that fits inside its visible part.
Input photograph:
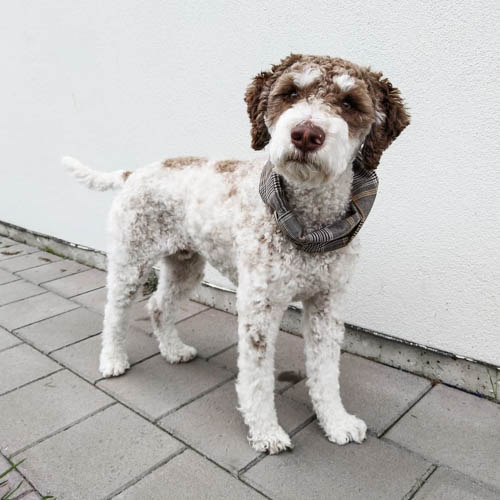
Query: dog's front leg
(323, 335)
(258, 325)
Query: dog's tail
(100, 181)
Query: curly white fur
(184, 213)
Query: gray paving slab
(376, 393)
(6, 277)
(22, 364)
(13, 479)
(455, 429)
(32, 495)
(40, 409)
(213, 426)
(27, 311)
(16, 251)
(155, 387)
(448, 484)
(28, 261)
(52, 271)
(318, 469)
(6, 242)
(289, 357)
(7, 339)
(98, 456)
(210, 332)
(18, 290)
(79, 283)
(83, 357)
(139, 316)
(62, 330)
(189, 475)
(96, 300)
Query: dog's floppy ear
(391, 120)
(256, 100)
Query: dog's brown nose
(307, 137)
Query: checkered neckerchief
(331, 236)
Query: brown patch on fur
(259, 342)
(226, 166)
(256, 98)
(157, 314)
(232, 192)
(184, 161)
(397, 118)
(126, 175)
(271, 93)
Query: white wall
(121, 83)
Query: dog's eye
(290, 94)
(347, 104)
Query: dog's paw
(272, 443)
(346, 429)
(181, 354)
(113, 365)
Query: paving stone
(33, 495)
(376, 393)
(7, 339)
(214, 426)
(6, 277)
(189, 476)
(445, 483)
(27, 311)
(22, 364)
(39, 409)
(210, 331)
(96, 300)
(52, 271)
(289, 357)
(13, 478)
(15, 251)
(83, 357)
(18, 290)
(155, 387)
(456, 429)
(62, 330)
(317, 468)
(28, 261)
(97, 457)
(77, 284)
(6, 242)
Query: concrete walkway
(173, 432)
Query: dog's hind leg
(125, 276)
(179, 274)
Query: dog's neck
(317, 206)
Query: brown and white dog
(316, 114)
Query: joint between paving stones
(420, 482)
(63, 429)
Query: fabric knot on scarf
(331, 236)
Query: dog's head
(318, 113)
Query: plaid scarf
(332, 236)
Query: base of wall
(467, 374)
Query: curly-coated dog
(317, 115)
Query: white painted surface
(120, 83)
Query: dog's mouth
(303, 167)
(308, 160)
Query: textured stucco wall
(121, 83)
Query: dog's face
(318, 113)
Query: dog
(317, 115)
